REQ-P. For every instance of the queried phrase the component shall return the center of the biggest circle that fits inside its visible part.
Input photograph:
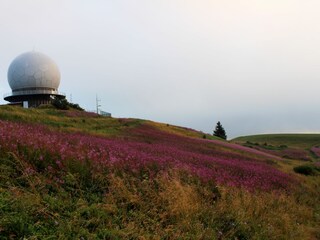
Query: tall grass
(143, 183)
(118, 205)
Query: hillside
(293, 146)
(77, 175)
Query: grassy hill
(293, 140)
(293, 146)
(77, 175)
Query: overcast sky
(253, 65)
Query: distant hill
(78, 175)
(295, 146)
(293, 140)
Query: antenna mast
(97, 103)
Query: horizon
(253, 66)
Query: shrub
(308, 170)
(60, 103)
(76, 106)
(63, 104)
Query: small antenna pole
(97, 103)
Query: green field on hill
(291, 146)
(293, 140)
(88, 122)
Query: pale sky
(253, 65)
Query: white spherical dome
(33, 70)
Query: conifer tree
(219, 131)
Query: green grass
(293, 140)
(121, 205)
(65, 121)
(79, 203)
(92, 124)
(290, 146)
(183, 131)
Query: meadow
(293, 146)
(77, 175)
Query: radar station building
(34, 79)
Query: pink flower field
(150, 150)
(316, 150)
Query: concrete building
(34, 79)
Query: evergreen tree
(219, 131)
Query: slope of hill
(292, 146)
(76, 175)
(294, 140)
